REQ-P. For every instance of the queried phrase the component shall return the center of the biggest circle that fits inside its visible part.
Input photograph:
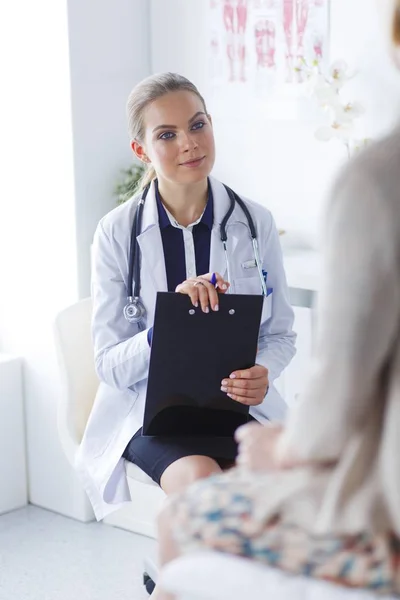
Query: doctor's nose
(188, 143)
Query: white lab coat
(122, 352)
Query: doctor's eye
(198, 125)
(167, 135)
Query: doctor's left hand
(248, 386)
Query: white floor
(44, 556)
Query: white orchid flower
(339, 74)
(339, 131)
(324, 134)
(348, 112)
(361, 144)
(310, 71)
(314, 81)
(326, 95)
(326, 89)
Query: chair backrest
(79, 379)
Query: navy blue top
(172, 239)
(173, 245)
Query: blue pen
(213, 280)
(269, 289)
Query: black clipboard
(190, 355)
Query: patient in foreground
(321, 496)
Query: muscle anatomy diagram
(253, 39)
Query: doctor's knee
(185, 471)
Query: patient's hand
(258, 449)
(257, 446)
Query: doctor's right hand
(203, 291)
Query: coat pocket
(252, 285)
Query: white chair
(80, 383)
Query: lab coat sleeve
(121, 351)
(357, 321)
(276, 345)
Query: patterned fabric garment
(218, 514)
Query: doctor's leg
(177, 477)
(185, 471)
(168, 549)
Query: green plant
(128, 184)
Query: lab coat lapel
(152, 268)
(221, 207)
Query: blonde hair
(396, 23)
(142, 95)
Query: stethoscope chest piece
(134, 311)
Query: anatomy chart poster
(259, 43)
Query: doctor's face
(179, 140)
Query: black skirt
(154, 454)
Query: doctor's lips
(194, 162)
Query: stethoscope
(134, 311)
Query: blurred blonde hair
(142, 95)
(396, 23)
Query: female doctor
(176, 219)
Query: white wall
(109, 54)
(276, 161)
(54, 187)
(38, 239)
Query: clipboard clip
(192, 311)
